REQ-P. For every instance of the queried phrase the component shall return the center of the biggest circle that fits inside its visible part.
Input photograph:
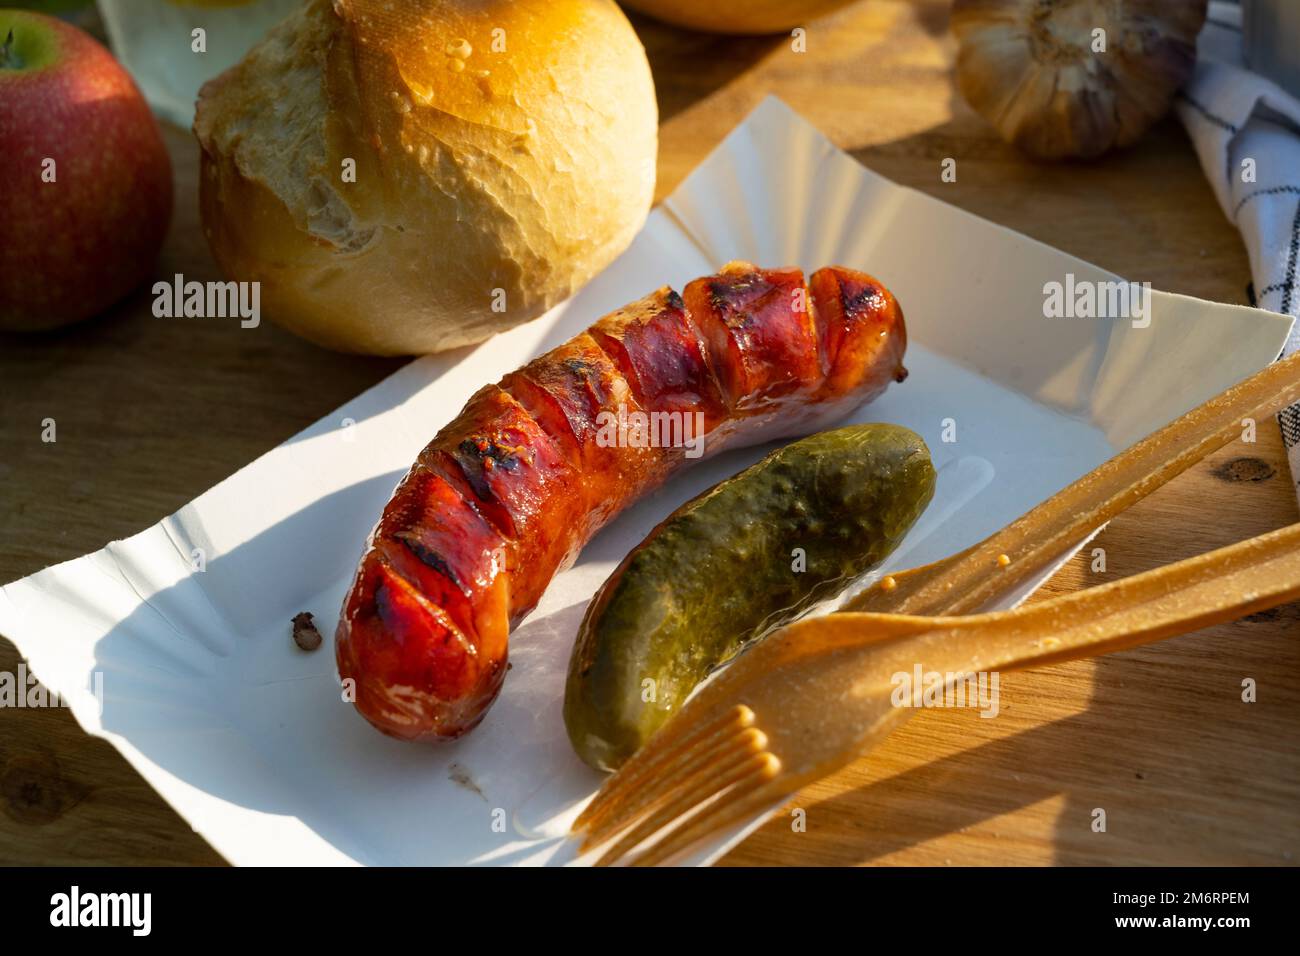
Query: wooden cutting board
(152, 412)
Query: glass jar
(156, 41)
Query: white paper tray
(247, 737)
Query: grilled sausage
(508, 493)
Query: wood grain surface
(152, 412)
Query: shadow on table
(690, 66)
(1157, 779)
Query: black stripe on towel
(1287, 285)
(1289, 295)
(1289, 419)
(1216, 120)
(1271, 191)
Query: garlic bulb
(1063, 78)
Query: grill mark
(568, 445)
(676, 301)
(633, 387)
(711, 361)
(384, 607)
(726, 297)
(428, 556)
(852, 303)
(821, 322)
(501, 456)
(460, 483)
(589, 374)
(458, 621)
(472, 476)
(471, 481)
(819, 340)
(609, 343)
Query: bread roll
(504, 153)
(737, 16)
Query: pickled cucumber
(744, 557)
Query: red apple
(85, 181)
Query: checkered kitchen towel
(1235, 116)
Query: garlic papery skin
(1074, 78)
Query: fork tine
(692, 802)
(748, 796)
(681, 800)
(722, 749)
(666, 748)
(711, 761)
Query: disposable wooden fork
(815, 695)
(973, 579)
